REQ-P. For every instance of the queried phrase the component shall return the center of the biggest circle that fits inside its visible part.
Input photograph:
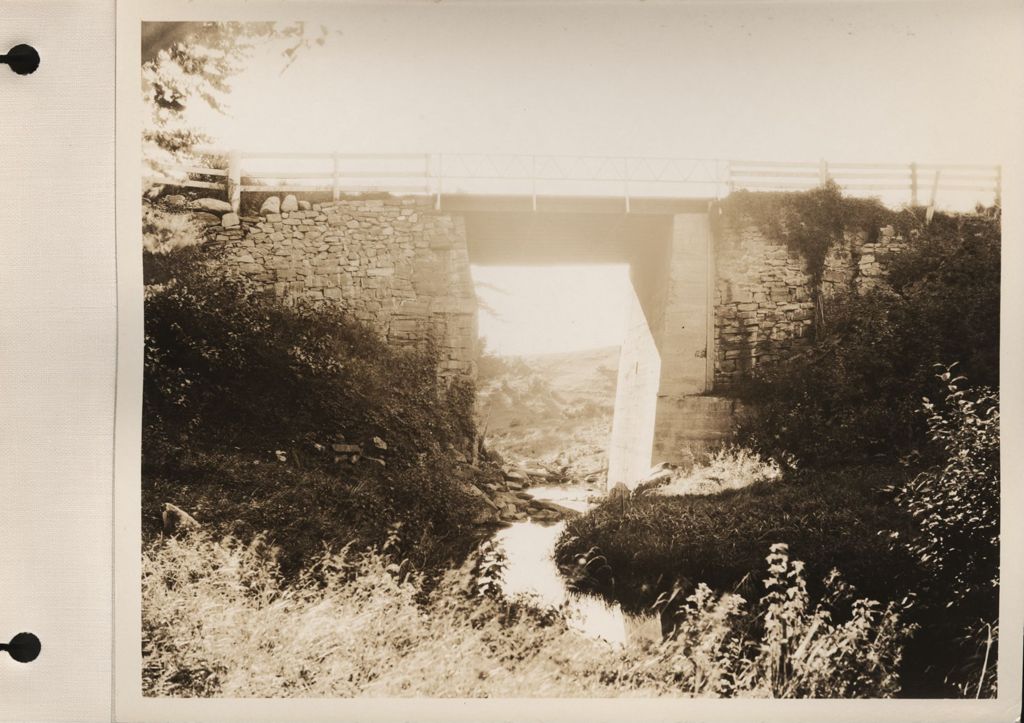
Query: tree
(188, 63)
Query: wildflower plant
(219, 620)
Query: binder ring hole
(24, 647)
(23, 59)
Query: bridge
(704, 310)
(624, 178)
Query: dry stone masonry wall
(394, 263)
(763, 304)
(403, 267)
(764, 309)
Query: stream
(531, 570)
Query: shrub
(230, 365)
(810, 223)
(164, 230)
(634, 552)
(955, 507)
(217, 621)
(244, 397)
(855, 393)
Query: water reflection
(531, 570)
(575, 497)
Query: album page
(544, 361)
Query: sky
(548, 309)
(793, 81)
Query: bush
(856, 392)
(217, 621)
(955, 507)
(244, 397)
(165, 230)
(633, 552)
(229, 365)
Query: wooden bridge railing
(235, 173)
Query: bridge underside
(663, 407)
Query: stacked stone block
(393, 263)
(763, 303)
(764, 308)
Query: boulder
(229, 220)
(619, 492)
(212, 205)
(206, 219)
(305, 205)
(504, 499)
(175, 200)
(485, 516)
(289, 204)
(177, 520)
(271, 206)
(514, 475)
(558, 509)
(473, 491)
(657, 478)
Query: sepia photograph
(573, 350)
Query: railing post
(440, 180)
(533, 179)
(823, 171)
(336, 178)
(999, 186)
(931, 201)
(913, 184)
(625, 181)
(234, 180)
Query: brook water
(531, 569)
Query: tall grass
(219, 621)
(729, 467)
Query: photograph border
(129, 704)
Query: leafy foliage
(244, 397)
(811, 223)
(217, 621)
(955, 507)
(856, 392)
(804, 653)
(185, 64)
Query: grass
(635, 551)
(218, 620)
(302, 510)
(729, 467)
